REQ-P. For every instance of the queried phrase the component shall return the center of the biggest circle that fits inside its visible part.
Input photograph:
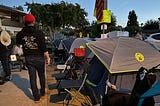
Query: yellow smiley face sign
(139, 57)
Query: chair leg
(73, 97)
(58, 84)
(57, 87)
(67, 98)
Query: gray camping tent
(123, 56)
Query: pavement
(17, 92)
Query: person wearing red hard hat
(35, 53)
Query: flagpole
(105, 8)
(106, 4)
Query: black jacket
(32, 40)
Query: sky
(144, 9)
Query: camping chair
(15, 63)
(69, 70)
(74, 87)
(63, 68)
(80, 86)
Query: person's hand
(48, 60)
(47, 57)
(113, 87)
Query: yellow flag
(106, 18)
(80, 34)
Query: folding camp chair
(64, 69)
(69, 70)
(75, 87)
(78, 89)
(74, 59)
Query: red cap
(29, 18)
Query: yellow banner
(106, 18)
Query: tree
(57, 16)
(132, 24)
(19, 8)
(95, 29)
(112, 25)
(132, 19)
(151, 25)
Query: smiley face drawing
(139, 57)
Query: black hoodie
(32, 40)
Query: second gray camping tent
(78, 43)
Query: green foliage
(59, 15)
(132, 19)
(112, 25)
(151, 25)
(19, 8)
(132, 30)
(95, 29)
(132, 24)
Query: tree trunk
(51, 32)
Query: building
(11, 19)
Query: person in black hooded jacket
(35, 53)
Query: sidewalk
(18, 93)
